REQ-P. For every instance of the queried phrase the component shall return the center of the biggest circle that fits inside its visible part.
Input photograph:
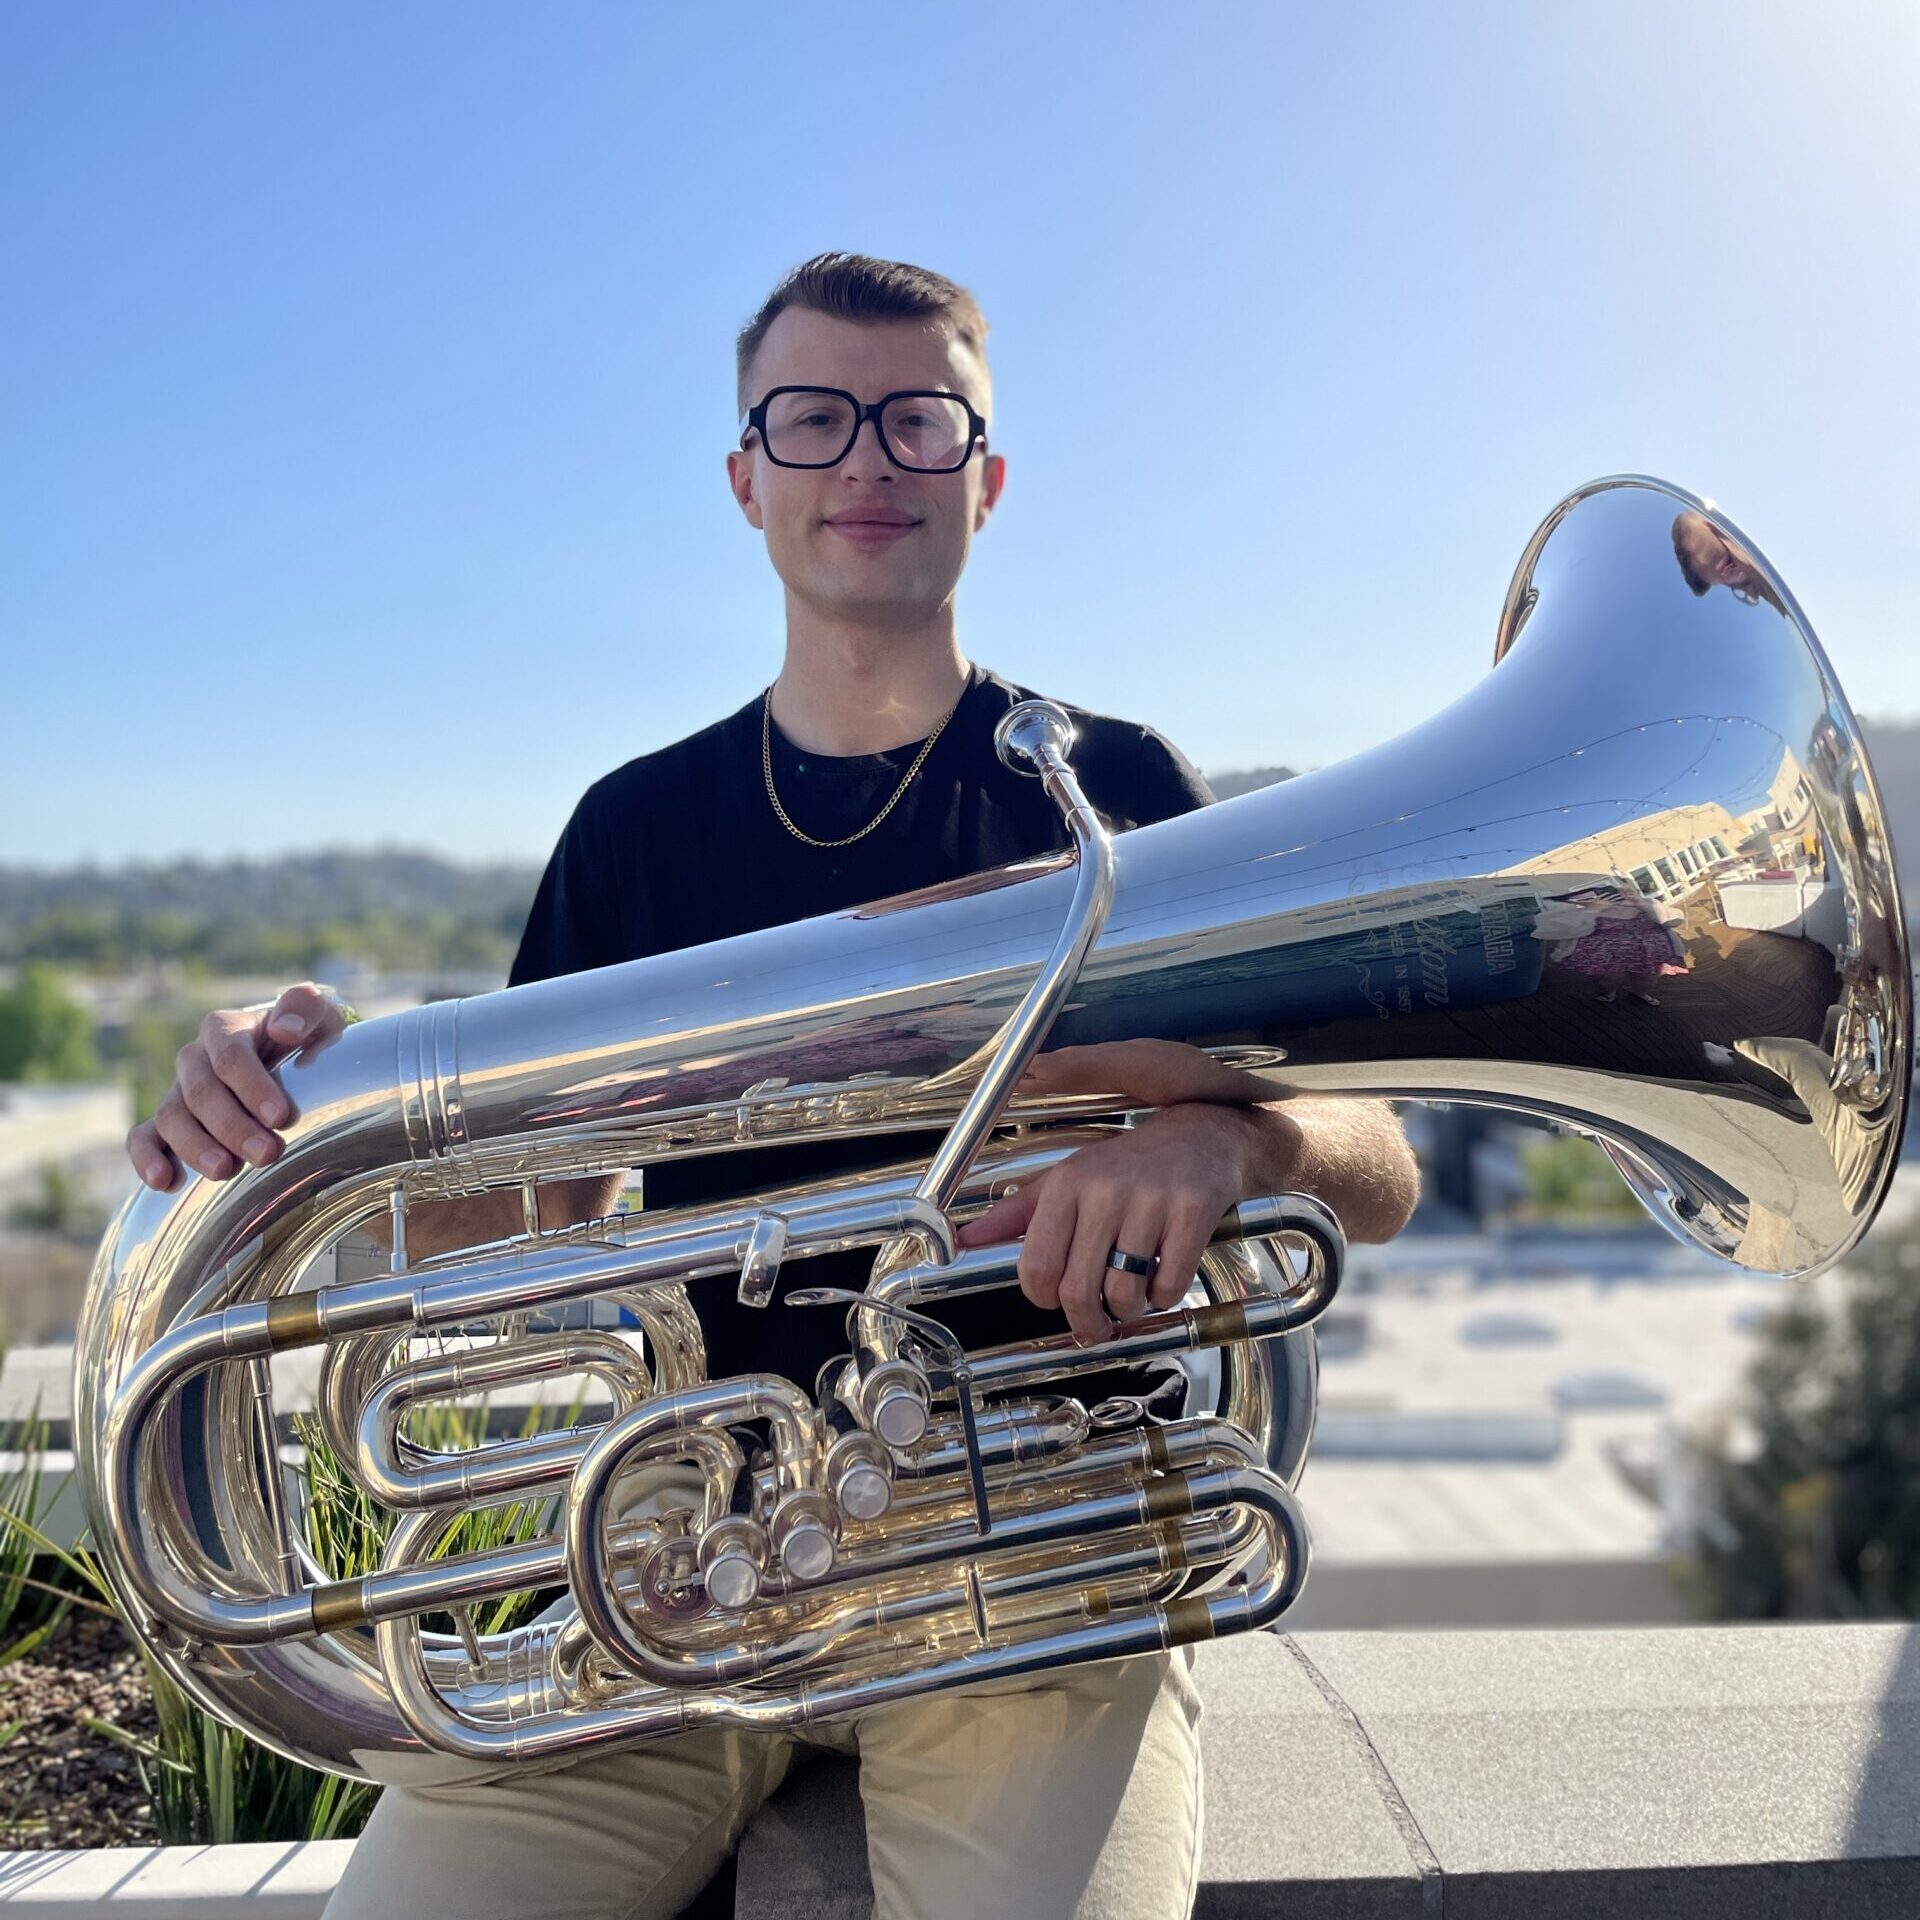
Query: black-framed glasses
(921, 429)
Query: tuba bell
(1636, 882)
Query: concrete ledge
(1744, 1771)
(1749, 1772)
(1737, 1770)
(276, 1882)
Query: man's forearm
(1353, 1154)
(439, 1226)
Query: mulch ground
(64, 1785)
(61, 1783)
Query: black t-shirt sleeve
(1170, 784)
(574, 924)
(1136, 776)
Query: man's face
(811, 516)
(1714, 557)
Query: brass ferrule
(1169, 1498)
(293, 1320)
(339, 1605)
(1221, 1324)
(1188, 1619)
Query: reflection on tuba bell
(1636, 881)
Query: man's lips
(871, 533)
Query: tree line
(400, 910)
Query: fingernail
(213, 1163)
(291, 1024)
(273, 1110)
(257, 1148)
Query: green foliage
(118, 942)
(31, 1609)
(1818, 1513)
(1571, 1180)
(61, 1206)
(285, 917)
(44, 1033)
(153, 1040)
(206, 1783)
(210, 1784)
(348, 1532)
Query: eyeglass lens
(814, 429)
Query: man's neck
(847, 689)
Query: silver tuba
(1637, 882)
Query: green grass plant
(210, 1784)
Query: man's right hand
(223, 1107)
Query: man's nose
(867, 458)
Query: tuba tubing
(1659, 786)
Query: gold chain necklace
(906, 779)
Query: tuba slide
(1636, 882)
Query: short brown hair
(1688, 571)
(855, 286)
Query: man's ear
(740, 475)
(995, 477)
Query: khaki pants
(1070, 1796)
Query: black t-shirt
(682, 846)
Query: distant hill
(1229, 786)
(330, 883)
(395, 906)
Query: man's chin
(897, 600)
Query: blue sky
(366, 371)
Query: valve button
(900, 1417)
(807, 1551)
(733, 1582)
(864, 1492)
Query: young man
(866, 769)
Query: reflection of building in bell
(1761, 869)
(1789, 800)
(1783, 829)
(1667, 854)
(1782, 885)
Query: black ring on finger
(1146, 1265)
